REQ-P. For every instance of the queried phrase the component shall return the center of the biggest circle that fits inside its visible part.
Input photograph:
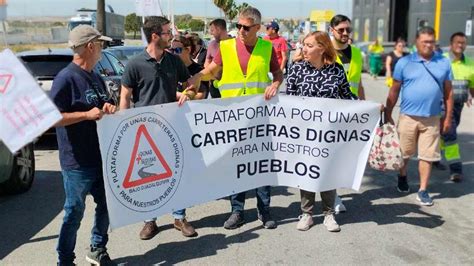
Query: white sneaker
(330, 223)
(306, 221)
(338, 205)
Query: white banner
(148, 8)
(25, 109)
(163, 158)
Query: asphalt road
(381, 226)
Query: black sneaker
(235, 220)
(99, 256)
(267, 221)
(403, 184)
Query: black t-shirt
(395, 59)
(193, 69)
(154, 82)
(76, 90)
(345, 55)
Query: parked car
(364, 48)
(44, 65)
(17, 171)
(124, 53)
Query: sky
(268, 8)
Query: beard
(162, 44)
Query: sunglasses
(246, 28)
(176, 50)
(341, 30)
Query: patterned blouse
(327, 82)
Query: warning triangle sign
(4, 81)
(147, 164)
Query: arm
(284, 58)
(448, 103)
(76, 117)
(272, 90)
(125, 97)
(388, 62)
(361, 91)
(392, 100)
(206, 74)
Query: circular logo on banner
(144, 162)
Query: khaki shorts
(421, 131)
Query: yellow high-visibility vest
(353, 70)
(233, 82)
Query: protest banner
(162, 158)
(25, 109)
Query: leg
(263, 207)
(101, 222)
(307, 204)
(428, 148)
(428, 152)
(75, 188)
(181, 224)
(237, 202)
(179, 214)
(327, 200)
(451, 147)
(408, 134)
(424, 169)
(263, 199)
(236, 218)
(307, 201)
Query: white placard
(25, 109)
(163, 158)
(148, 8)
(468, 27)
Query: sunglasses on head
(341, 30)
(246, 28)
(176, 50)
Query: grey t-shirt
(154, 82)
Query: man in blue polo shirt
(424, 79)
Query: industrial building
(388, 20)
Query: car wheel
(23, 172)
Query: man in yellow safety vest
(350, 58)
(245, 62)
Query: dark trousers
(263, 200)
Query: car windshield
(46, 66)
(126, 54)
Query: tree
(133, 23)
(196, 25)
(230, 8)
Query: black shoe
(235, 220)
(438, 165)
(267, 221)
(99, 256)
(403, 184)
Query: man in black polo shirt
(152, 78)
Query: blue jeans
(179, 214)
(77, 184)
(237, 201)
(451, 136)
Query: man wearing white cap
(81, 97)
